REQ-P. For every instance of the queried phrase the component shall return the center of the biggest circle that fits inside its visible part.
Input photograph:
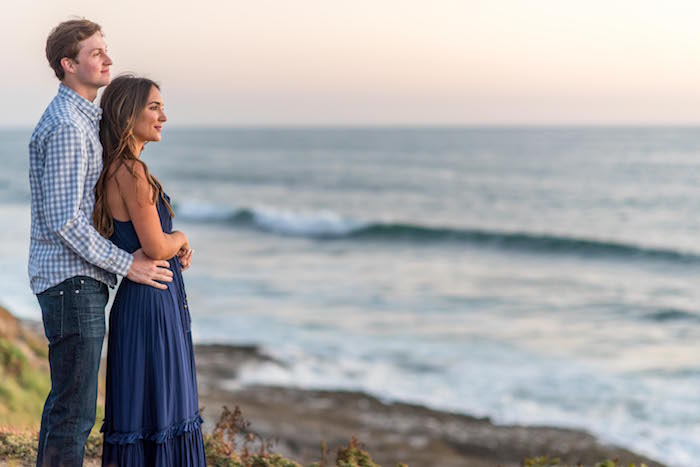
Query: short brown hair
(64, 41)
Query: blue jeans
(74, 321)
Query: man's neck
(87, 92)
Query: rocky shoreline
(297, 420)
(300, 419)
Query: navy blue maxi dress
(151, 409)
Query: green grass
(231, 444)
(20, 447)
(23, 389)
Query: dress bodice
(125, 236)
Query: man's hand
(146, 271)
(185, 255)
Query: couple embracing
(97, 212)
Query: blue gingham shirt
(65, 161)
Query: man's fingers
(163, 271)
(162, 263)
(157, 285)
(163, 278)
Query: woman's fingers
(186, 259)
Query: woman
(151, 408)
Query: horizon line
(417, 126)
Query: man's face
(91, 66)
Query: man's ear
(68, 65)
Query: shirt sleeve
(63, 184)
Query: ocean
(531, 275)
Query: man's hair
(64, 41)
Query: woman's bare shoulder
(131, 177)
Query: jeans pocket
(52, 308)
(88, 284)
(91, 312)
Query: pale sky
(379, 62)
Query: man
(70, 264)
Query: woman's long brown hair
(123, 103)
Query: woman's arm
(137, 195)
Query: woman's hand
(185, 255)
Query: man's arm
(63, 182)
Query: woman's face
(148, 127)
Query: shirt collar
(92, 111)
